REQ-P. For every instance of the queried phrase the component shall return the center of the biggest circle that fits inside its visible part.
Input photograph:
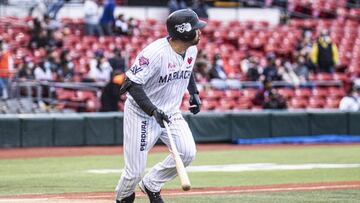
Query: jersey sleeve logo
(143, 61)
(135, 69)
(183, 27)
(190, 60)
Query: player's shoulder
(156, 47)
(193, 49)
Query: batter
(156, 84)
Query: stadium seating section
(234, 40)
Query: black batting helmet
(181, 24)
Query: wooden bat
(184, 178)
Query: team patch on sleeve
(143, 61)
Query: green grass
(63, 175)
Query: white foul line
(247, 167)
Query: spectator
(268, 98)
(110, 95)
(270, 71)
(107, 19)
(91, 11)
(175, 5)
(302, 69)
(201, 68)
(39, 41)
(43, 71)
(56, 40)
(274, 101)
(353, 3)
(252, 73)
(133, 27)
(121, 26)
(117, 62)
(55, 7)
(217, 71)
(324, 53)
(26, 72)
(351, 102)
(38, 9)
(65, 69)
(200, 8)
(100, 69)
(287, 72)
(6, 69)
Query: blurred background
(70, 55)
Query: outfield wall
(107, 128)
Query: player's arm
(138, 94)
(195, 102)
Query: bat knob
(186, 187)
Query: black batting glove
(195, 103)
(160, 116)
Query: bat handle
(184, 178)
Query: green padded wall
(328, 123)
(354, 123)
(119, 133)
(99, 129)
(207, 127)
(10, 131)
(289, 124)
(36, 130)
(250, 125)
(69, 130)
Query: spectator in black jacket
(117, 62)
(110, 95)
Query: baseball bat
(184, 178)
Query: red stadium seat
(303, 92)
(336, 92)
(249, 93)
(316, 102)
(209, 104)
(287, 93)
(324, 76)
(320, 92)
(332, 102)
(233, 94)
(298, 103)
(243, 103)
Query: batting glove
(160, 116)
(195, 103)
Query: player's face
(197, 38)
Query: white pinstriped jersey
(163, 73)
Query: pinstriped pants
(141, 132)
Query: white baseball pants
(141, 132)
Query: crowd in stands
(94, 49)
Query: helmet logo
(183, 27)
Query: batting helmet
(182, 24)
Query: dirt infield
(39, 152)
(98, 197)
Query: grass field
(70, 174)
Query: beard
(196, 40)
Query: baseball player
(156, 84)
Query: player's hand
(195, 103)
(160, 116)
